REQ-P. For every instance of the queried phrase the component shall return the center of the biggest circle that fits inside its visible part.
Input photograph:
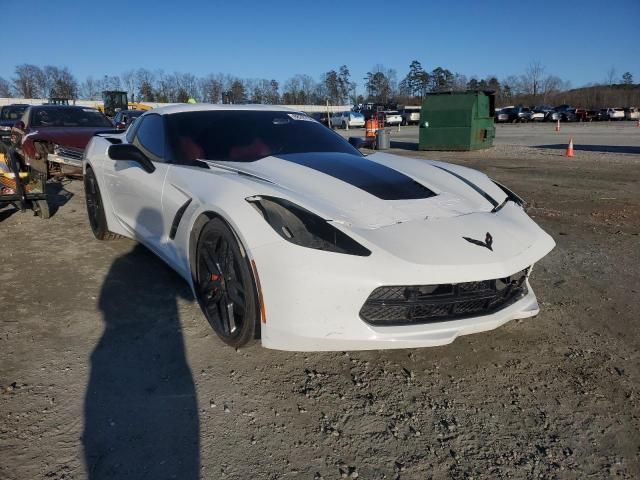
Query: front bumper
(313, 300)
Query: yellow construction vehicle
(116, 100)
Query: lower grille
(414, 304)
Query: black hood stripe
(374, 178)
(484, 194)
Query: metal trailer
(21, 186)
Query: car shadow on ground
(7, 211)
(593, 148)
(57, 195)
(141, 416)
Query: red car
(52, 138)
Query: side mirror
(126, 151)
(19, 125)
(357, 142)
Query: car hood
(77, 137)
(374, 191)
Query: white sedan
(392, 117)
(347, 119)
(287, 233)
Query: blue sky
(577, 40)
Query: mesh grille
(70, 152)
(401, 305)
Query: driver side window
(150, 137)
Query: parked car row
(563, 113)
(355, 119)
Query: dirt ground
(109, 371)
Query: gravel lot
(108, 369)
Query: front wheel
(224, 285)
(95, 208)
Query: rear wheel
(95, 208)
(224, 285)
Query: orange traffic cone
(558, 126)
(569, 152)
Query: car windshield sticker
(299, 116)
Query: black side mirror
(126, 151)
(357, 142)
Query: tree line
(535, 86)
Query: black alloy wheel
(225, 287)
(95, 208)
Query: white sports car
(287, 233)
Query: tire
(225, 288)
(95, 208)
(41, 209)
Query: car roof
(68, 107)
(209, 107)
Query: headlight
(301, 227)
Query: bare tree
(188, 83)
(27, 81)
(90, 89)
(166, 90)
(610, 79)
(129, 80)
(211, 88)
(459, 82)
(5, 88)
(111, 82)
(533, 77)
(549, 86)
(299, 90)
(146, 81)
(65, 85)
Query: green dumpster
(457, 121)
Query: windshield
(246, 136)
(12, 113)
(68, 117)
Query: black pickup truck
(9, 115)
